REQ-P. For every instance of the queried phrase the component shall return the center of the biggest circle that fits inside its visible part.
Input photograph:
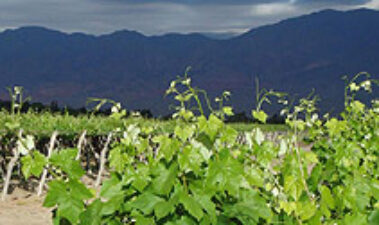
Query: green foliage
(42, 125)
(65, 161)
(16, 95)
(261, 116)
(263, 95)
(33, 164)
(202, 173)
(69, 197)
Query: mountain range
(294, 56)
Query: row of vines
(321, 171)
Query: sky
(154, 17)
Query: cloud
(160, 16)
(196, 2)
(239, 2)
(332, 2)
(374, 4)
(273, 9)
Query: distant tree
(37, 107)
(276, 119)
(239, 117)
(54, 106)
(146, 113)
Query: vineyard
(197, 169)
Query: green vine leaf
(65, 160)
(191, 205)
(164, 183)
(260, 116)
(33, 164)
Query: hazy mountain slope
(295, 55)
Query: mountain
(220, 35)
(294, 55)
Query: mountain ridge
(294, 55)
(317, 13)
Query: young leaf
(260, 116)
(33, 164)
(228, 110)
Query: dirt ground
(23, 208)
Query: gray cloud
(333, 2)
(160, 16)
(196, 2)
(240, 2)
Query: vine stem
(80, 144)
(185, 183)
(49, 153)
(11, 164)
(103, 159)
(196, 97)
(301, 167)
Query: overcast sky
(161, 16)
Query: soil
(24, 208)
